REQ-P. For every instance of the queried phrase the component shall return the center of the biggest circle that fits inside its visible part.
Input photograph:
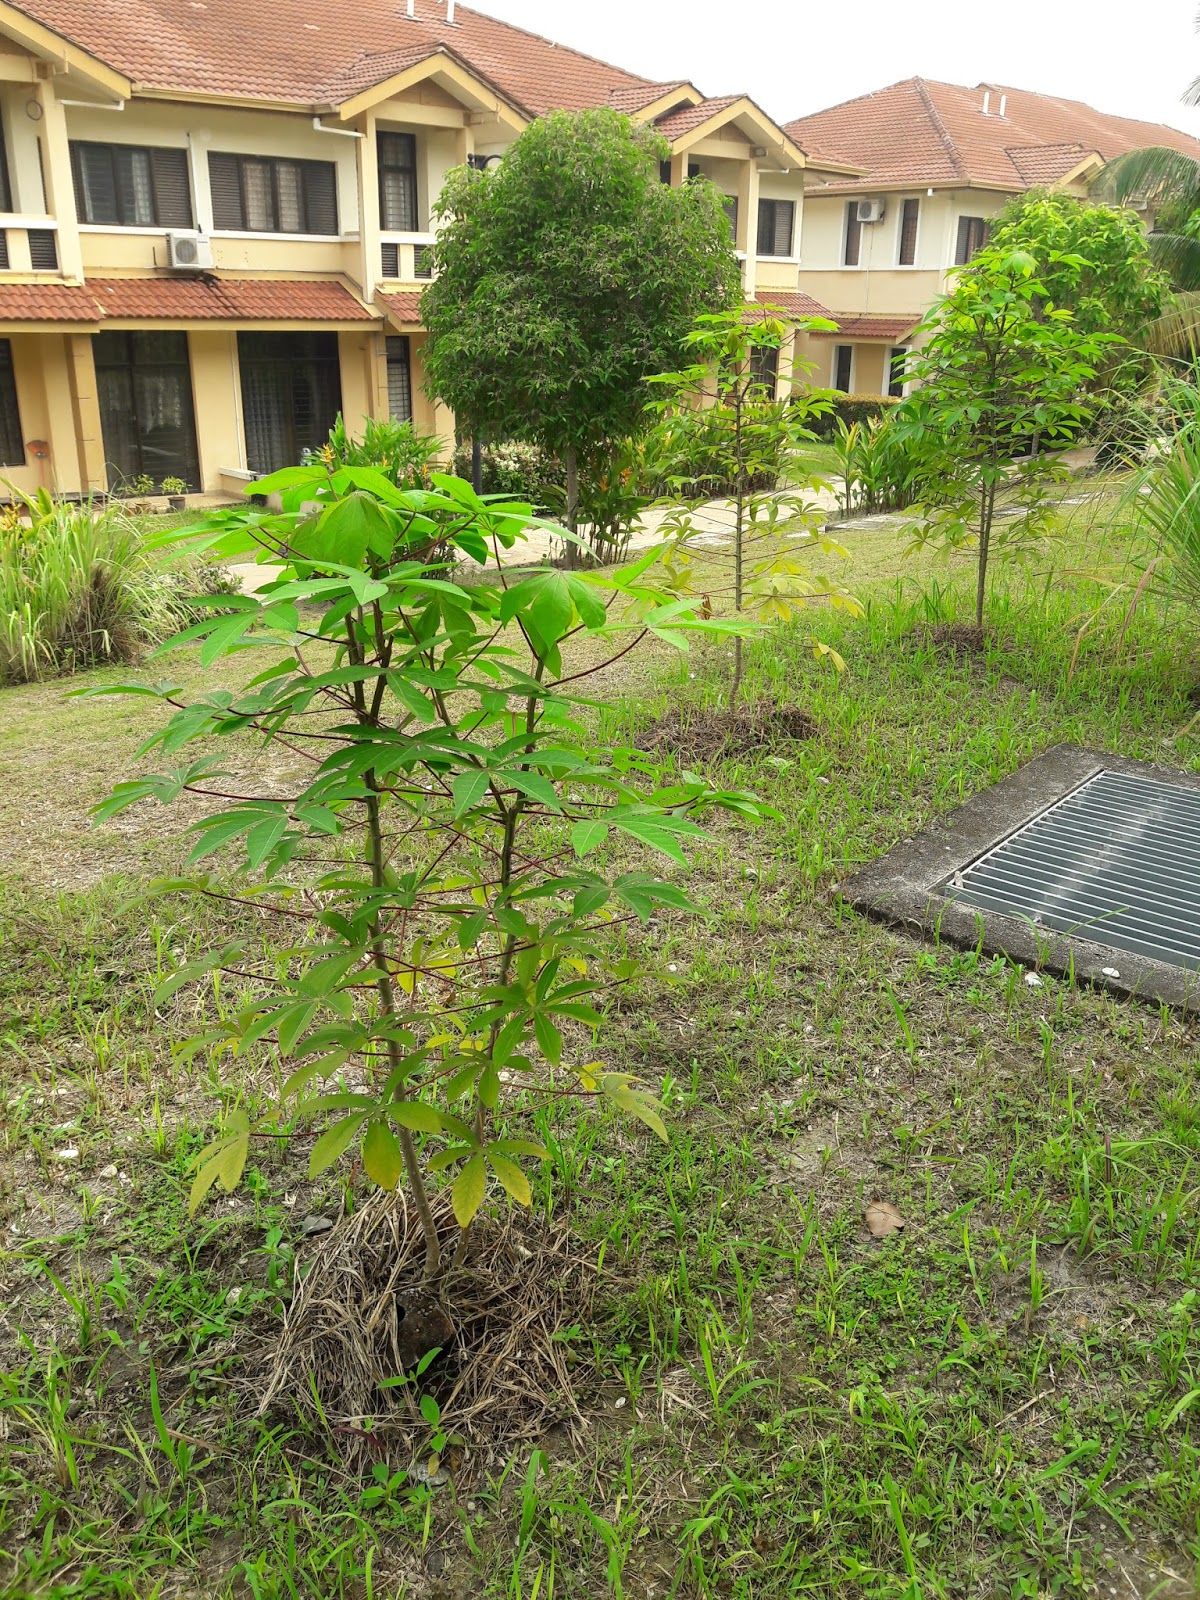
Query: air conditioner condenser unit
(189, 252)
(870, 210)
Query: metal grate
(1116, 861)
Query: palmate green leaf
(333, 1142)
(469, 1188)
(381, 1156)
(533, 786)
(514, 1180)
(585, 836)
(221, 1162)
(469, 789)
(418, 1116)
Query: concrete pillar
(368, 206)
(217, 402)
(85, 412)
(60, 186)
(748, 224)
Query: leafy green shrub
(396, 449)
(516, 468)
(688, 456)
(449, 950)
(78, 585)
(848, 409)
(880, 470)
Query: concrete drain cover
(1117, 860)
(1081, 862)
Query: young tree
(723, 433)
(439, 933)
(563, 277)
(1002, 371)
(1093, 261)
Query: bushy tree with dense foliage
(564, 276)
(1093, 261)
(1002, 372)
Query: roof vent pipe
(449, 10)
(411, 9)
(1003, 103)
(987, 100)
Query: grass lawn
(1002, 1398)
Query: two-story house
(935, 162)
(215, 220)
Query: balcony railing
(406, 257)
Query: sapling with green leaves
(444, 917)
(723, 433)
(1001, 375)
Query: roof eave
(54, 46)
(769, 134)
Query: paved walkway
(713, 522)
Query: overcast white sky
(1131, 59)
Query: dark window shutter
(766, 228)
(908, 232)
(785, 212)
(399, 378)
(972, 236)
(850, 256)
(320, 196)
(43, 250)
(224, 181)
(843, 367)
(897, 362)
(172, 188)
(4, 252)
(397, 157)
(12, 446)
(390, 260)
(95, 183)
(422, 262)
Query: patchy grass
(1002, 1397)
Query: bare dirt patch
(696, 735)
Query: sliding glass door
(291, 395)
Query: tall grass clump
(1164, 497)
(78, 586)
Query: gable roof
(922, 133)
(307, 52)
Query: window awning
(869, 328)
(208, 299)
(403, 310)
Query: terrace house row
(215, 219)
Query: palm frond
(1178, 255)
(1155, 175)
(1176, 332)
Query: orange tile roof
(183, 299)
(644, 94)
(307, 51)
(676, 123)
(869, 327)
(405, 307)
(229, 299)
(47, 302)
(920, 132)
(796, 305)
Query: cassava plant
(721, 424)
(444, 940)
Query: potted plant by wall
(175, 490)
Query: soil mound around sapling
(962, 639)
(695, 735)
(362, 1315)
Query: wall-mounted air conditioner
(189, 252)
(870, 210)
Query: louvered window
(43, 250)
(399, 378)
(397, 156)
(4, 263)
(730, 208)
(12, 447)
(776, 223)
(291, 395)
(144, 385)
(422, 262)
(853, 246)
(764, 370)
(266, 194)
(897, 361)
(972, 236)
(128, 186)
(389, 263)
(909, 216)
